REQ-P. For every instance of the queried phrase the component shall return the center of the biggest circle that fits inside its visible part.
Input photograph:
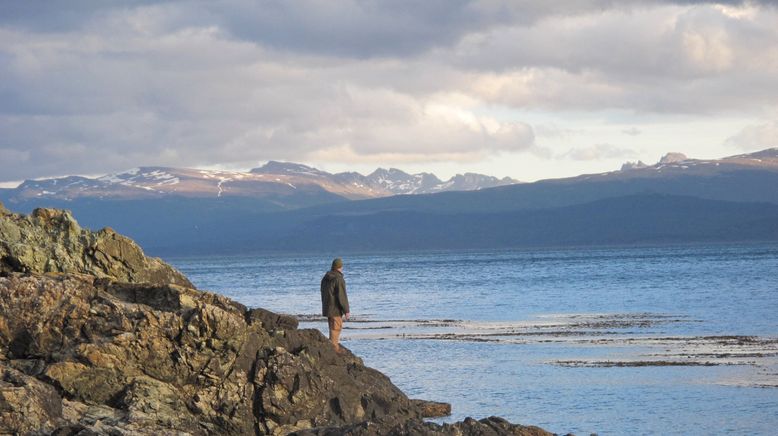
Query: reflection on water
(654, 340)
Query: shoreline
(95, 337)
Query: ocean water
(650, 340)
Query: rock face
(50, 240)
(155, 358)
(97, 338)
(432, 409)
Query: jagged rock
(492, 426)
(117, 343)
(432, 409)
(176, 358)
(27, 404)
(50, 240)
(273, 321)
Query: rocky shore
(97, 338)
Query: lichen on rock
(50, 240)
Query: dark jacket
(334, 301)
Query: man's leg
(336, 325)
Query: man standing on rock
(334, 302)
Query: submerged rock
(97, 338)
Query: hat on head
(337, 263)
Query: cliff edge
(97, 338)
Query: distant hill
(678, 199)
(636, 219)
(748, 177)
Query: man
(334, 302)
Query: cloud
(754, 138)
(11, 155)
(632, 131)
(600, 152)
(552, 130)
(99, 87)
(382, 125)
(347, 28)
(666, 59)
(121, 101)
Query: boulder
(432, 409)
(273, 321)
(27, 404)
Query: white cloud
(754, 138)
(600, 152)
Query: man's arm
(342, 297)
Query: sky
(526, 89)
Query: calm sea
(657, 340)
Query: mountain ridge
(274, 179)
(180, 224)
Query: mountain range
(277, 180)
(678, 199)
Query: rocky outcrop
(91, 342)
(492, 426)
(50, 240)
(432, 409)
(170, 357)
